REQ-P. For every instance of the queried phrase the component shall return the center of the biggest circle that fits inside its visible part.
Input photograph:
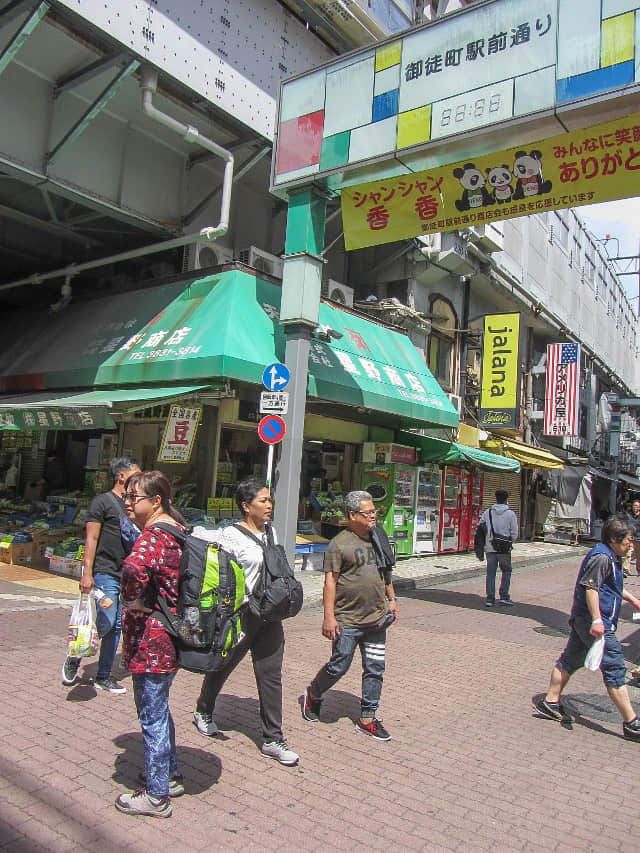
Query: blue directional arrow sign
(276, 377)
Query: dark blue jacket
(610, 592)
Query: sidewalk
(470, 767)
(413, 573)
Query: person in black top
(634, 523)
(104, 553)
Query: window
(561, 229)
(441, 347)
(576, 254)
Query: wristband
(390, 599)
(595, 621)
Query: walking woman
(265, 640)
(151, 571)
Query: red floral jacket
(150, 569)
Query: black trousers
(265, 641)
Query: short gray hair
(353, 500)
(121, 463)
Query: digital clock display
(477, 108)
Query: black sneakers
(631, 731)
(550, 710)
(310, 707)
(109, 685)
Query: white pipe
(148, 84)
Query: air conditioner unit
(262, 261)
(487, 237)
(338, 292)
(204, 254)
(456, 402)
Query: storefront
(203, 344)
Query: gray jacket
(504, 522)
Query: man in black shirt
(104, 553)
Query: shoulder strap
(491, 523)
(252, 535)
(179, 535)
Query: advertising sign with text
(499, 394)
(179, 434)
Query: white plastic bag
(82, 639)
(594, 655)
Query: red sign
(271, 429)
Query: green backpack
(212, 604)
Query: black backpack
(211, 606)
(279, 595)
(480, 540)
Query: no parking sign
(271, 429)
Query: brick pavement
(470, 767)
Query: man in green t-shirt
(355, 615)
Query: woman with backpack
(265, 639)
(151, 571)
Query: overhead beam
(76, 78)
(13, 10)
(204, 156)
(94, 110)
(53, 228)
(9, 52)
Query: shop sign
(596, 164)
(274, 401)
(499, 394)
(562, 392)
(179, 433)
(25, 419)
(382, 453)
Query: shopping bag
(594, 655)
(82, 639)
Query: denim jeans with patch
(151, 693)
(108, 622)
(372, 648)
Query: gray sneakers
(109, 685)
(140, 803)
(176, 783)
(281, 752)
(205, 724)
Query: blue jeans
(108, 623)
(151, 693)
(372, 648)
(493, 561)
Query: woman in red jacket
(151, 571)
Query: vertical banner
(562, 394)
(499, 394)
(179, 433)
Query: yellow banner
(499, 393)
(596, 164)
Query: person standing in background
(500, 520)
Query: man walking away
(597, 597)
(501, 522)
(355, 612)
(104, 553)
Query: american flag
(562, 391)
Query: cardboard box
(34, 492)
(17, 554)
(43, 540)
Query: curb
(313, 601)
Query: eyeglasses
(132, 498)
(369, 513)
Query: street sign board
(276, 377)
(271, 429)
(276, 402)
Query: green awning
(85, 410)
(450, 453)
(226, 326)
(39, 418)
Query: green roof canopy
(226, 326)
(450, 453)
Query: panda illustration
(527, 169)
(499, 179)
(473, 183)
